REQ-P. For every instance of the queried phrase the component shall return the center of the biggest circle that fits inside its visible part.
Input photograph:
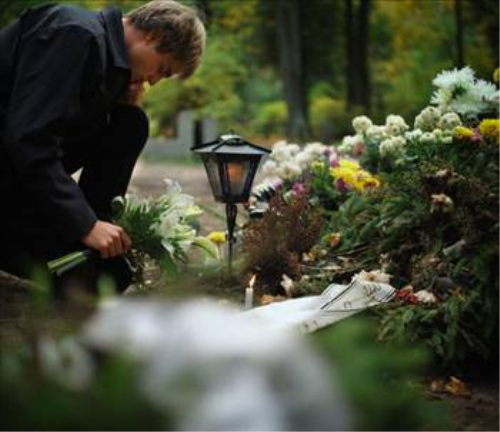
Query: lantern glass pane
(237, 173)
(212, 169)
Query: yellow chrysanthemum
(217, 237)
(349, 164)
(351, 174)
(346, 174)
(489, 129)
(463, 133)
(496, 75)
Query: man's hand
(110, 240)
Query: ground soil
(19, 314)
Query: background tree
(357, 36)
(288, 32)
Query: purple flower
(334, 162)
(341, 185)
(298, 188)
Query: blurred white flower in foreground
(214, 371)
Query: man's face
(147, 65)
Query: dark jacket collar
(112, 19)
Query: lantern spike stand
(231, 212)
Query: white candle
(248, 297)
(249, 293)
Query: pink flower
(334, 162)
(298, 188)
(277, 184)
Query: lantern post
(231, 164)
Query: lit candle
(249, 293)
(235, 172)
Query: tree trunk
(350, 70)
(357, 26)
(459, 34)
(363, 23)
(287, 15)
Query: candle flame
(252, 281)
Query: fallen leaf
(457, 388)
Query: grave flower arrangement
(300, 187)
(434, 224)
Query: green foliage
(330, 117)
(33, 401)
(452, 252)
(382, 382)
(271, 118)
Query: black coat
(61, 70)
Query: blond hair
(177, 29)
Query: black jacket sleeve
(45, 96)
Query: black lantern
(231, 164)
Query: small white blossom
(428, 119)
(395, 125)
(269, 168)
(424, 296)
(289, 170)
(349, 142)
(463, 78)
(427, 138)
(415, 134)
(376, 133)
(373, 276)
(361, 124)
(282, 151)
(317, 149)
(450, 121)
(393, 146)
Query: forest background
(302, 69)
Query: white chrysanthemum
(282, 151)
(393, 146)
(415, 134)
(289, 170)
(316, 149)
(455, 78)
(361, 124)
(494, 99)
(460, 92)
(428, 119)
(376, 133)
(348, 143)
(269, 168)
(427, 138)
(304, 159)
(450, 121)
(484, 90)
(395, 125)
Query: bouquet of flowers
(316, 170)
(162, 229)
